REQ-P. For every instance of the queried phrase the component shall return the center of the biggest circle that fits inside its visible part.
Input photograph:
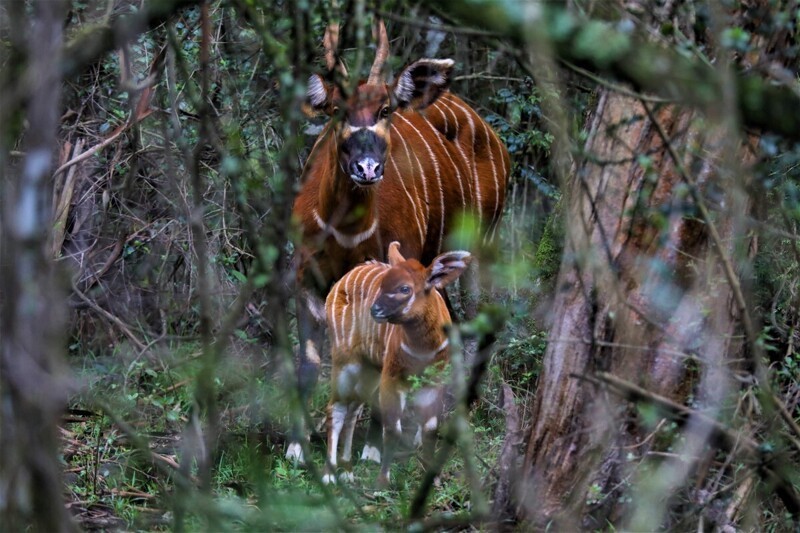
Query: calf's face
(407, 284)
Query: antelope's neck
(345, 211)
(425, 337)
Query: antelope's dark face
(362, 117)
(406, 286)
(361, 127)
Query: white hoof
(371, 453)
(329, 479)
(347, 477)
(294, 452)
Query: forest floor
(128, 441)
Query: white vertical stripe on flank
(496, 210)
(460, 151)
(369, 323)
(332, 311)
(437, 106)
(349, 306)
(362, 308)
(463, 156)
(374, 327)
(469, 162)
(438, 136)
(474, 163)
(438, 174)
(410, 198)
(421, 173)
(388, 344)
(506, 172)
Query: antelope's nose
(376, 311)
(366, 170)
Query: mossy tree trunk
(640, 295)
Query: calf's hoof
(294, 452)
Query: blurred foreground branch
(33, 382)
(760, 456)
(599, 48)
(90, 45)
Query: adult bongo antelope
(397, 162)
(386, 323)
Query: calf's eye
(405, 289)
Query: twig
(787, 418)
(733, 280)
(133, 494)
(418, 23)
(616, 87)
(122, 325)
(482, 76)
(450, 430)
(731, 441)
(99, 146)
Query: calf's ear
(422, 82)
(446, 268)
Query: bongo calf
(386, 323)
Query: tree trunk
(33, 386)
(641, 295)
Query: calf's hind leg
(337, 412)
(353, 412)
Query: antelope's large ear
(318, 95)
(446, 268)
(422, 82)
(395, 257)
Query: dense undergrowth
(128, 402)
(131, 438)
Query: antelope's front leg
(337, 412)
(353, 412)
(429, 407)
(392, 400)
(311, 332)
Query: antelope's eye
(405, 289)
(384, 112)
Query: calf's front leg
(392, 400)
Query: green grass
(254, 487)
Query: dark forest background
(641, 326)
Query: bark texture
(640, 295)
(32, 384)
